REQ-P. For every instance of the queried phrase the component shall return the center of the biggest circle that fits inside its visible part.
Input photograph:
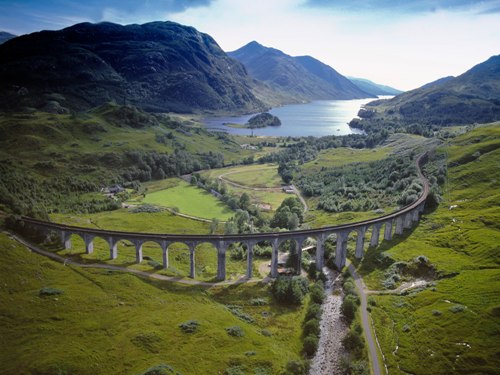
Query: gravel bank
(333, 328)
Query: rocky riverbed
(333, 328)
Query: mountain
(5, 36)
(471, 97)
(374, 88)
(158, 66)
(301, 78)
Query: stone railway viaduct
(393, 223)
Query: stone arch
(208, 260)
(149, 252)
(181, 258)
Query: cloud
(405, 50)
(405, 7)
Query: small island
(262, 120)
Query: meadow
(89, 321)
(453, 325)
(189, 200)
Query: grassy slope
(113, 323)
(463, 244)
(190, 200)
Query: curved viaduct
(393, 223)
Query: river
(328, 357)
(317, 118)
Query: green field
(257, 175)
(452, 326)
(265, 177)
(190, 200)
(109, 322)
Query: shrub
(155, 264)
(311, 327)
(289, 290)
(310, 345)
(46, 291)
(235, 331)
(297, 367)
(235, 370)
(317, 293)
(161, 369)
(258, 302)
(348, 307)
(266, 333)
(406, 328)
(436, 313)
(352, 341)
(236, 310)
(457, 308)
(189, 326)
(313, 311)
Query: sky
(400, 43)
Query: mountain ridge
(303, 78)
(374, 88)
(473, 96)
(158, 66)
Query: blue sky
(401, 43)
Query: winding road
(365, 322)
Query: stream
(328, 357)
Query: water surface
(317, 118)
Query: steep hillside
(452, 324)
(158, 66)
(302, 78)
(52, 162)
(473, 97)
(374, 88)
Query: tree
(214, 225)
(244, 201)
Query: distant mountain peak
(302, 77)
(5, 36)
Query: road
(365, 322)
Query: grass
(265, 177)
(115, 323)
(260, 175)
(337, 157)
(463, 244)
(158, 222)
(190, 200)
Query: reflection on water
(317, 118)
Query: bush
(310, 345)
(189, 326)
(46, 291)
(348, 307)
(311, 327)
(235, 331)
(289, 290)
(162, 369)
(457, 308)
(236, 310)
(313, 311)
(297, 368)
(317, 293)
(258, 302)
(352, 341)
